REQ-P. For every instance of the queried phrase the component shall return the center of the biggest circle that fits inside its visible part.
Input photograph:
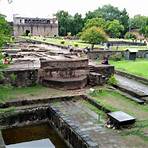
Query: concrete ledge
(131, 76)
(138, 96)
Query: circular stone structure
(66, 72)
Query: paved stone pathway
(88, 122)
(132, 84)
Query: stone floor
(88, 121)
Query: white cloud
(45, 8)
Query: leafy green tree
(5, 34)
(98, 22)
(94, 35)
(114, 28)
(5, 31)
(130, 35)
(144, 31)
(124, 20)
(110, 13)
(63, 19)
(138, 21)
(78, 24)
(68, 23)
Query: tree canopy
(94, 35)
(114, 28)
(5, 30)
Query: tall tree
(98, 22)
(78, 24)
(138, 21)
(114, 28)
(63, 19)
(94, 35)
(5, 30)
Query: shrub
(13, 77)
(130, 35)
(112, 80)
(76, 45)
(116, 57)
(62, 42)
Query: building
(35, 26)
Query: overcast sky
(46, 8)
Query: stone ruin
(52, 66)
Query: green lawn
(82, 44)
(138, 67)
(12, 93)
(58, 42)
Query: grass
(82, 44)
(115, 102)
(138, 67)
(12, 93)
(67, 42)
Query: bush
(13, 77)
(116, 57)
(76, 45)
(112, 80)
(62, 42)
(130, 35)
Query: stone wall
(69, 74)
(104, 70)
(36, 30)
(20, 78)
(142, 54)
(73, 136)
(101, 53)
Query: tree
(130, 35)
(5, 34)
(114, 28)
(110, 13)
(63, 19)
(94, 35)
(78, 24)
(68, 23)
(138, 21)
(144, 31)
(98, 22)
(124, 20)
(5, 31)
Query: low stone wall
(20, 78)
(123, 43)
(99, 54)
(142, 54)
(131, 76)
(104, 70)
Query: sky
(46, 8)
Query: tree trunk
(92, 46)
